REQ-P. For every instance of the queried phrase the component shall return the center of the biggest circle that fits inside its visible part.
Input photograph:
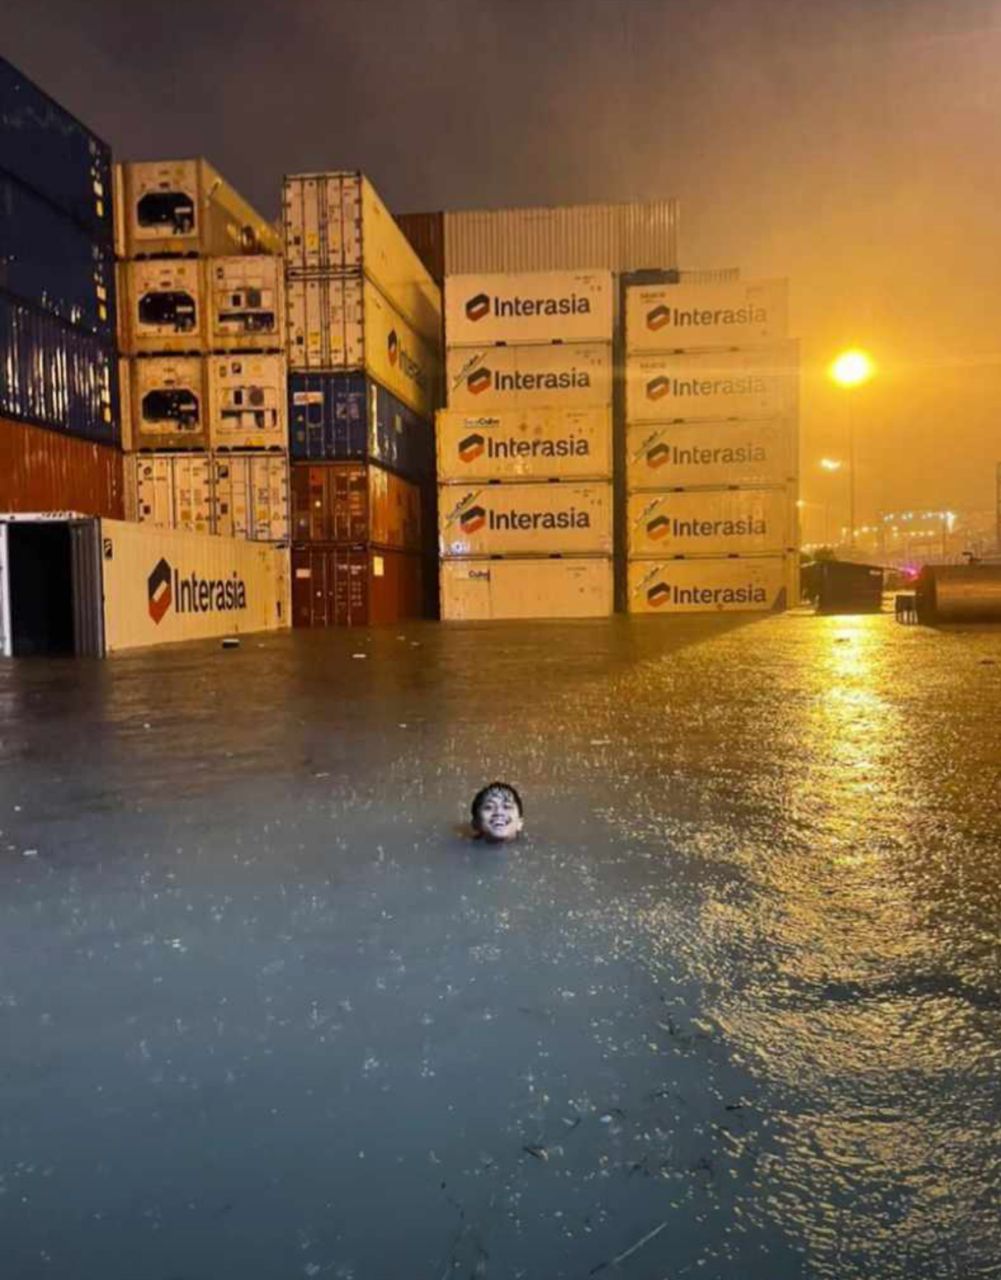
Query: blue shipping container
(342, 417)
(56, 376)
(50, 262)
(50, 151)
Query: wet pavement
(731, 1009)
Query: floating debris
(628, 1253)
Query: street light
(830, 465)
(850, 370)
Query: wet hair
(480, 798)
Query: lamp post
(850, 370)
(829, 465)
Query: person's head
(497, 812)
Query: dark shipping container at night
(355, 586)
(341, 417)
(57, 376)
(426, 233)
(51, 263)
(352, 502)
(48, 471)
(49, 150)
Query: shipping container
(710, 585)
(575, 375)
(248, 395)
(348, 417)
(335, 224)
(172, 490)
(473, 590)
(722, 384)
(686, 317)
(526, 444)
(346, 324)
(250, 496)
(587, 237)
(525, 519)
(187, 207)
(246, 302)
(711, 522)
(49, 150)
(124, 383)
(426, 233)
(55, 375)
(43, 470)
(354, 502)
(355, 586)
(169, 402)
(535, 306)
(751, 452)
(162, 306)
(50, 262)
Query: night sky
(851, 145)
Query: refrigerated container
(673, 317)
(246, 303)
(473, 590)
(44, 470)
(355, 587)
(247, 401)
(348, 417)
(710, 585)
(535, 306)
(711, 522)
(169, 402)
(186, 207)
(750, 452)
(720, 384)
(575, 375)
(355, 502)
(250, 496)
(562, 518)
(162, 306)
(342, 324)
(527, 444)
(336, 224)
(172, 490)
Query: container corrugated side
(162, 306)
(710, 522)
(672, 317)
(248, 401)
(246, 303)
(426, 233)
(353, 502)
(335, 417)
(525, 519)
(754, 383)
(692, 454)
(616, 237)
(43, 470)
(534, 306)
(731, 585)
(498, 589)
(355, 587)
(528, 444)
(576, 375)
(163, 585)
(173, 491)
(169, 402)
(250, 496)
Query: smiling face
(497, 813)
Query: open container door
(6, 646)
(88, 589)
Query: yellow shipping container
(711, 522)
(526, 444)
(576, 375)
(731, 585)
(686, 317)
(525, 519)
(721, 384)
(687, 454)
(497, 589)
(533, 306)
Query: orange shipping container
(350, 502)
(44, 470)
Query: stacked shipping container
(711, 446)
(202, 322)
(58, 377)
(364, 336)
(525, 446)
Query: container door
(88, 589)
(6, 650)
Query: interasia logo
(661, 316)
(747, 385)
(746, 527)
(192, 594)
(549, 380)
(475, 518)
(398, 355)
(661, 454)
(471, 448)
(662, 593)
(482, 304)
(475, 445)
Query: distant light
(831, 464)
(852, 368)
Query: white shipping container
(537, 306)
(525, 444)
(173, 491)
(335, 223)
(251, 496)
(344, 323)
(731, 585)
(525, 519)
(169, 402)
(613, 237)
(691, 454)
(500, 589)
(711, 522)
(724, 384)
(162, 306)
(246, 303)
(186, 207)
(572, 375)
(248, 401)
(673, 317)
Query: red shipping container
(354, 587)
(354, 502)
(44, 470)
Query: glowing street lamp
(849, 370)
(830, 465)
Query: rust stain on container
(47, 471)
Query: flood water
(730, 1009)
